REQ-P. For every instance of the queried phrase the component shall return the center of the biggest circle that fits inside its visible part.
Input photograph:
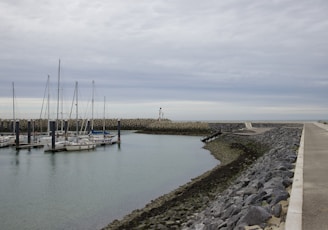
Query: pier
(211, 137)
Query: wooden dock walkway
(27, 146)
(212, 136)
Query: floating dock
(28, 146)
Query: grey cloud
(262, 51)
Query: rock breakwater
(40, 125)
(144, 125)
(259, 196)
(177, 128)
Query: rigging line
(44, 95)
(70, 114)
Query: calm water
(87, 190)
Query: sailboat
(60, 144)
(79, 144)
(13, 138)
(101, 137)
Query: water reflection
(53, 162)
(16, 158)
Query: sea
(90, 189)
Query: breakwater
(40, 125)
(249, 187)
(145, 125)
(152, 126)
(177, 128)
(260, 195)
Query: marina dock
(28, 146)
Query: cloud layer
(235, 59)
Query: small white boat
(5, 141)
(102, 140)
(101, 137)
(83, 144)
(59, 146)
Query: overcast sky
(198, 60)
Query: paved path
(315, 184)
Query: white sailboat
(83, 144)
(101, 137)
(60, 143)
(79, 144)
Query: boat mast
(14, 122)
(61, 112)
(104, 119)
(58, 95)
(77, 112)
(93, 101)
(48, 85)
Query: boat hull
(59, 146)
(80, 147)
(5, 142)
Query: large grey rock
(232, 210)
(276, 210)
(279, 195)
(287, 182)
(255, 215)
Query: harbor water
(89, 189)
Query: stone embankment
(177, 128)
(260, 195)
(40, 125)
(247, 188)
(146, 125)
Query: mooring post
(33, 130)
(17, 134)
(119, 130)
(53, 134)
(88, 126)
(65, 129)
(29, 132)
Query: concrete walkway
(315, 177)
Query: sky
(197, 60)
